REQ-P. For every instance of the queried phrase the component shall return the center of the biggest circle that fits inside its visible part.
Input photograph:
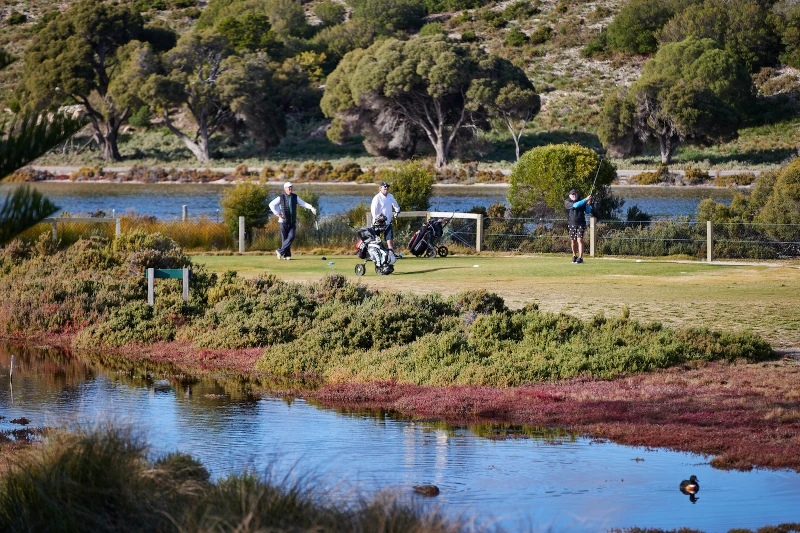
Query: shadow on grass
(427, 271)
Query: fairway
(761, 298)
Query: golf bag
(423, 242)
(370, 247)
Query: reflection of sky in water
(572, 486)
(165, 200)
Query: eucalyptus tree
(76, 57)
(189, 79)
(429, 84)
(691, 91)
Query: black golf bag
(423, 242)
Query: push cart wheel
(443, 251)
(431, 252)
(378, 270)
(360, 269)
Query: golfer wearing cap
(576, 224)
(382, 204)
(285, 208)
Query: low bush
(104, 480)
(474, 339)
(695, 176)
(661, 175)
(731, 180)
(514, 37)
(541, 35)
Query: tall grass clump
(102, 480)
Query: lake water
(547, 483)
(164, 200)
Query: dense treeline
(383, 72)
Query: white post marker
(186, 285)
(151, 286)
(241, 235)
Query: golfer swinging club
(285, 208)
(576, 214)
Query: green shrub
(730, 180)
(514, 37)
(249, 200)
(522, 9)
(16, 18)
(547, 173)
(634, 28)
(468, 36)
(432, 28)
(330, 13)
(541, 35)
(661, 175)
(141, 117)
(411, 184)
(695, 176)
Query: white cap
(287, 184)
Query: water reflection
(517, 476)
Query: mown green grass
(754, 297)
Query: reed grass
(102, 480)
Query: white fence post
(709, 241)
(369, 220)
(186, 285)
(118, 228)
(592, 235)
(479, 234)
(241, 235)
(55, 230)
(151, 286)
(184, 212)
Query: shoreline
(729, 413)
(622, 181)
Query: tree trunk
(199, 149)
(516, 144)
(441, 154)
(107, 142)
(109, 146)
(668, 144)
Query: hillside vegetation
(531, 71)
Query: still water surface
(164, 200)
(549, 481)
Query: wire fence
(680, 236)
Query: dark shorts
(576, 232)
(389, 233)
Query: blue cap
(384, 184)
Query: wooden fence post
(709, 241)
(54, 224)
(592, 235)
(151, 286)
(241, 235)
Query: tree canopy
(427, 86)
(744, 28)
(76, 57)
(691, 91)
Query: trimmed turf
(760, 298)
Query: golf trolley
(370, 247)
(423, 242)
